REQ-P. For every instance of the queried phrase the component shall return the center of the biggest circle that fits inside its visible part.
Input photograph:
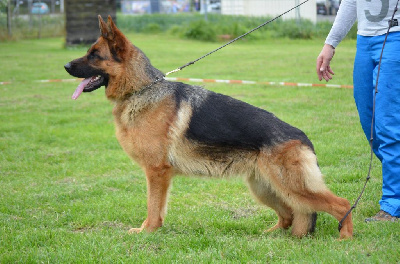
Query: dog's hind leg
(303, 223)
(334, 205)
(158, 183)
(321, 201)
(293, 173)
(264, 194)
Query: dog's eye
(94, 55)
(91, 56)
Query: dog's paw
(275, 227)
(135, 230)
(346, 236)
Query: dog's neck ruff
(144, 89)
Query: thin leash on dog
(226, 44)
(233, 40)
(391, 24)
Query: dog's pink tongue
(80, 88)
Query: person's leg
(387, 120)
(363, 81)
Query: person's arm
(344, 20)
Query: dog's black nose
(67, 66)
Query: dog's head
(112, 61)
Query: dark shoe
(382, 216)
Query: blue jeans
(386, 144)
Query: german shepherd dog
(173, 128)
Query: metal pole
(297, 2)
(9, 18)
(53, 6)
(40, 23)
(30, 15)
(16, 11)
(205, 9)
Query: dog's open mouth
(90, 84)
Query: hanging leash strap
(233, 40)
(391, 24)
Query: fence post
(30, 15)
(9, 18)
(40, 23)
(298, 16)
(205, 9)
(62, 6)
(16, 10)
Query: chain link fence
(224, 7)
(28, 18)
(46, 18)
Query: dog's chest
(143, 132)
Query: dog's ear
(111, 24)
(104, 29)
(119, 43)
(115, 34)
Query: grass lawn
(69, 193)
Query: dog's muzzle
(67, 66)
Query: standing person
(197, 5)
(373, 22)
(328, 6)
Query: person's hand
(324, 59)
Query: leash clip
(176, 70)
(393, 23)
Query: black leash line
(230, 42)
(391, 24)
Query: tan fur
(144, 135)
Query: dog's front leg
(158, 182)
